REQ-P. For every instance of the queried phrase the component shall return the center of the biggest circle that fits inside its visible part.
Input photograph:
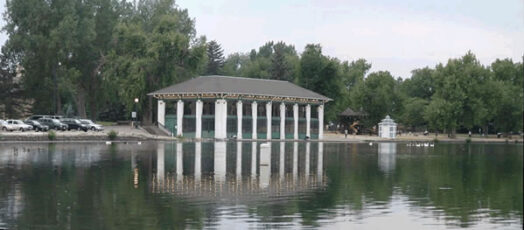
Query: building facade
(244, 108)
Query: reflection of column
(281, 162)
(220, 161)
(295, 121)
(160, 169)
(269, 120)
(308, 120)
(320, 162)
(386, 156)
(134, 169)
(254, 114)
(161, 112)
(198, 119)
(179, 117)
(179, 160)
(306, 168)
(295, 161)
(239, 120)
(282, 121)
(253, 160)
(265, 164)
(220, 119)
(198, 164)
(239, 162)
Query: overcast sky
(393, 35)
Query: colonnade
(221, 119)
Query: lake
(241, 185)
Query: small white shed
(387, 128)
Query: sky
(394, 35)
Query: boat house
(244, 108)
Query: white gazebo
(387, 128)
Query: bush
(51, 135)
(435, 140)
(468, 140)
(112, 135)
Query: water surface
(169, 185)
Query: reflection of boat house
(222, 107)
(270, 173)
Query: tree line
(92, 58)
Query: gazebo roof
(238, 86)
(350, 113)
(387, 121)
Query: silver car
(91, 125)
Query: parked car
(58, 117)
(11, 125)
(2, 122)
(74, 124)
(91, 125)
(53, 123)
(36, 125)
(36, 117)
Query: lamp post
(134, 113)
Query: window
(208, 108)
(246, 109)
(261, 110)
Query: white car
(11, 125)
(91, 125)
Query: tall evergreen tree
(215, 58)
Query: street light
(134, 113)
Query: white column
(160, 169)
(198, 162)
(179, 160)
(179, 117)
(268, 119)
(254, 108)
(265, 165)
(320, 113)
(221, 119)
(295, 121)
(239, 120)
(282, 121)
(198, 116)
(308, 120)
(253, 161)
(161, 112)
(220, 162)
(239, 162)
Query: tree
(378, 96)
(421, 84)
(215, 58)
(413, 113)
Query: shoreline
(126, 134)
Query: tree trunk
(80, 100)
(453, 132)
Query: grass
(51, 135)
(112, 135)
(106, 123)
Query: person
(345, 133)
(469, 134)
(426, 132)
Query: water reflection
(386, 156)
(218, 184)
(159, 185)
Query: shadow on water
(246, 184)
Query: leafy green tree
(413, 113)
(215, 58)
(378, 96)
(421, 84)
